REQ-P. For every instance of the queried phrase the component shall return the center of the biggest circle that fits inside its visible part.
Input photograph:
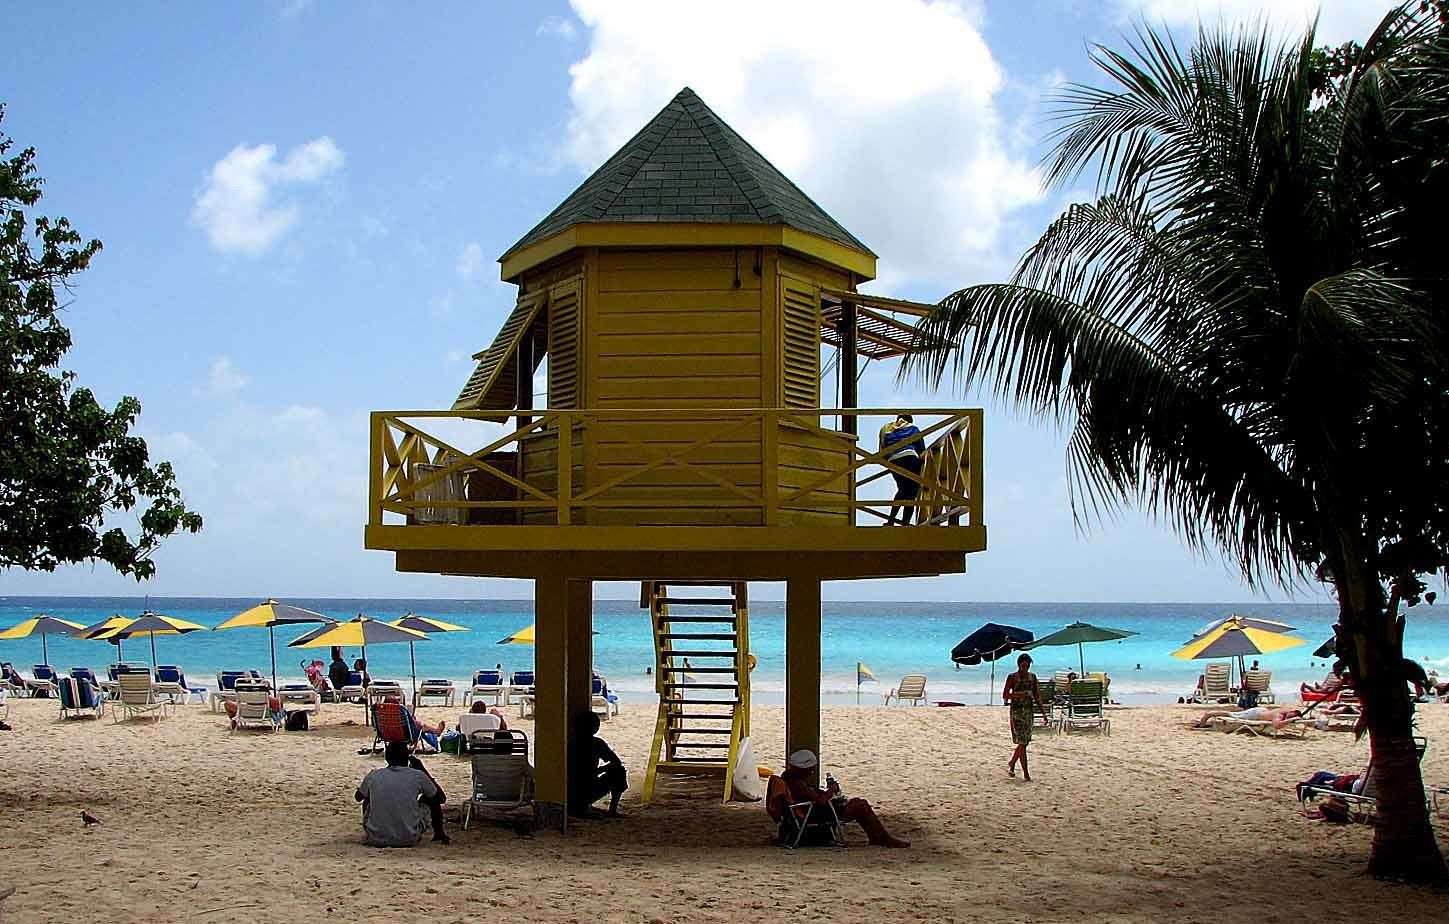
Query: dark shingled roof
(688, 165)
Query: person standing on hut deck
(1021, 694)
(903, 445)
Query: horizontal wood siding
(806, 457)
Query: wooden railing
(757, 467)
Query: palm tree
(1245, 332)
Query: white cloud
(1338, 20)
(224, 378)
(559, 27)
(236, 207)
(885, 112)
(470, 261)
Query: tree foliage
(1246, 333)
(68, 466)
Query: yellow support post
(802, 665)
(579, 669)
(551, 731)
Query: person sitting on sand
(798, 776)
(1278, 715)
(595, 770)
(392, 800)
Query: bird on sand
(88, 819)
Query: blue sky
(301, 205)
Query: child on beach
(1022, 694)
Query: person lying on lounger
(595, 771)
(800, 771)
(393, 800)
(1278, 715)
(1328, 686)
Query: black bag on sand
(297, 721)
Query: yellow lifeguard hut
(681, 299)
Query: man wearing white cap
(798, 776)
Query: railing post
(374, 469)
(565, 491)
(770, 465)
(978, 467)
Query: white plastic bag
(747, 785)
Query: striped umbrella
(1247, 622)
(523, 636)
(268, 615)
(152, 624)
(42, 626)
(426, 625)
(1234, 639)
(97, 629)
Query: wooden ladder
(704, 711)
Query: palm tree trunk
(1404, 846)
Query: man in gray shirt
(392, 815)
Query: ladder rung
(702, 601)
(693, 762)
(698, 670)
(695, 617)
(698, 654)
(702, 702)
(703, 745)
(702, 636)
(700, 731)
(701, 686)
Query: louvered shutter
(492, 384)
(800, 343)
(564, 319)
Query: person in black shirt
(595, 770)
(337, 670)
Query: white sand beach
(1154, 823)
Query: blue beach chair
(79, 698)
(171, 682)
(485, 684)
(42, 682)
(520, 685)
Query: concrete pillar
(550, 735)
(802, 665)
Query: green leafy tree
(1246, 332)
(68, 466)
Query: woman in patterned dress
(1022, 694)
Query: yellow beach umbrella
(523, 636)
(1235, 638)
(42, 626)
(427, 625)
(268, 615)
(105, 627)
(152, 624)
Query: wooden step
(701, 686)
(700, 731)
(693, 763)
(701, 702)
(698, 654)
(695, 617)
(701, 636)
(697, 670)
(701, 601)
(703, 745)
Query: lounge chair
(1262, 728)
(1215, 685)
(299, 697)
(10, 680)
(254, 708)
(1087, 708)
(1047, 716)
(1259, 682)
(137, 697)
(435, 689)
(801, 824)
(601, 700)
(393, 723)
(520, 685)
(353, 691)
(486, 683)
(171, 681)
(42, 680)
(79, 698)
(4, 703)
(1363, 804)
(502, 778)
(483, 724)
(912, 688)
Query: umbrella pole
(1081, 662)
(272, 641)
(413, 663)
(44, 649)
(153, 651)
(991, 689)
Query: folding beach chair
(254, 708)
(1087, 708)
(1046, 716)
(1259, 682)
(79, 698)
(481, 724)
(353, 690)
(10, 680)
(520, 685)
(137, 697)
(601, 700)
(171, 682)
(1262, 728)
(801, 824)
(393, 723)
(1363, 804)
(486, 684)
(502, 779)
(912, 688)
(435, 689)
(1216, 685)
(299, 697)
(42, 680)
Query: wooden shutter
(800, 343)
(564, 322)
(492, 384)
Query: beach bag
(451, 743)
(1247, 699)
(297, 721)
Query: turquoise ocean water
(891, 638)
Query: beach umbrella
(152, 624)
(103, 628)
(1250, 622)
(988, 643)
(42, 626)
(1232, 639)
(523, 636)
(1080, 633)
(268, 615)
(428, 626)
(356, 633)
(1328, 649)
